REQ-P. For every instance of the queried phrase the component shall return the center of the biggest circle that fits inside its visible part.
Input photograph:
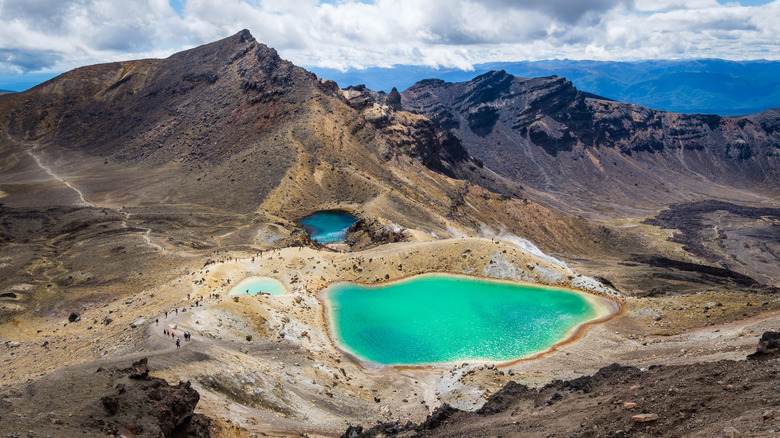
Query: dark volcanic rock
(139, 369)
(500, 401)
(718, 275)
(689, 400)
(736, 237)
(769, 344)
(109, 401)
(437, 417)
(394, 99)
(366, 233)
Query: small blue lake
(256, 285)
(441, 318)
(328, 226)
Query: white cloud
(62, 34)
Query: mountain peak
(243, 36)
(493, 75)
(226, 48)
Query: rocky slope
(726, 398)
(146, 163)
(219, 125)
(592, 156)
(102, 401)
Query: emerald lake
(441, 318)
(328, 226)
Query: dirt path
(51, 173)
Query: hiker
(173, 335)
(177, 310)
(156, 321)
(178, 343)
(165, 332)
(166, 314)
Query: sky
(39, 38)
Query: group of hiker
(198, 299)
(187, 336)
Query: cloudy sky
(58, 35)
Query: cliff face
(583, 152)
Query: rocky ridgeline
(545, 133)
(418, 137)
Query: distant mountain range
(24, 82)
(705, 86)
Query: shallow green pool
(256, 285)
(439, 318)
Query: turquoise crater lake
(328, 226)
(441, 318)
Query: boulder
(139, 369)
(501, 400)
(439, 415)
(74, 317)
(768, 344)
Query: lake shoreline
(604, 307)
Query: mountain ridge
(691, 86)
(555, 138)
(208, 107)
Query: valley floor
(266, 364)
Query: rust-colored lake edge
(613, 307)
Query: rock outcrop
(366, 233)
(768, 345)
(107, 401)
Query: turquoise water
(438, 318)
(255, 285)
(328, 226)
